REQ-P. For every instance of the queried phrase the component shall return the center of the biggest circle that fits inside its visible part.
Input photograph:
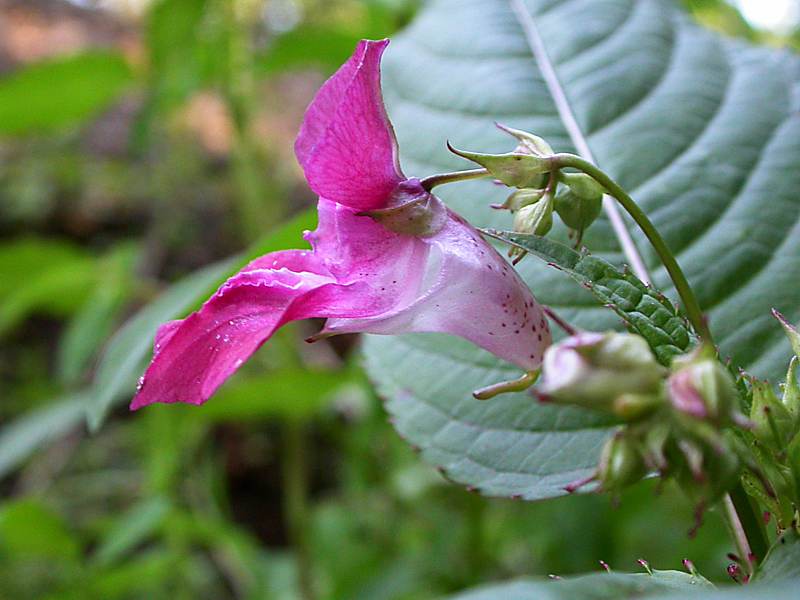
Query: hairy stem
(432, 181)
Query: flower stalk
(688, 298)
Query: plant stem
(736, 529)
(432, 181)
(690, 303)
(295, 497)
(740, 516)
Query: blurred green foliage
(122, 171)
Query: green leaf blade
(701, 130)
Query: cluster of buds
(541, 190)
(676, 421)
(775, 440)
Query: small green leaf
(132, 528)
(42, 276)
(30, 529)
(93, 322)
(643, 309)
(61, 92)
(39, 427)
(307, 45)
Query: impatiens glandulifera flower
(388, 257)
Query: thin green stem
(690, 303)
(739, 513)
(295, 497)
(432, 181)
(737, 532)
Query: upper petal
(346, 145)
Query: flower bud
(528, 143)
(621, 463)
(536, 218)
(595, 369)
(702, 388)
(705, 472)
(581, 202)
(521, 198)
(514, 169)
(773, 425)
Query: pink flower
(409, 265)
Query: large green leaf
(596, 585)
(703, 131)
(662, 585)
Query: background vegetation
(140, 142)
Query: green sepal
(535, 218)
(791, 393)
(772, 424)
(520, 198)
(528, 142)
(514, 169)
(791, 331)
(621, 463)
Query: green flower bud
(521, 198)
(656, 437)
(595, 369)
(704, 472)
(621, 463)
(536, 218)
(514, 169)
(773, 425)
(528, 143)
(702, 388)
(581, 202)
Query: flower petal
(358, 269)
(470, 291)
(346, 144)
